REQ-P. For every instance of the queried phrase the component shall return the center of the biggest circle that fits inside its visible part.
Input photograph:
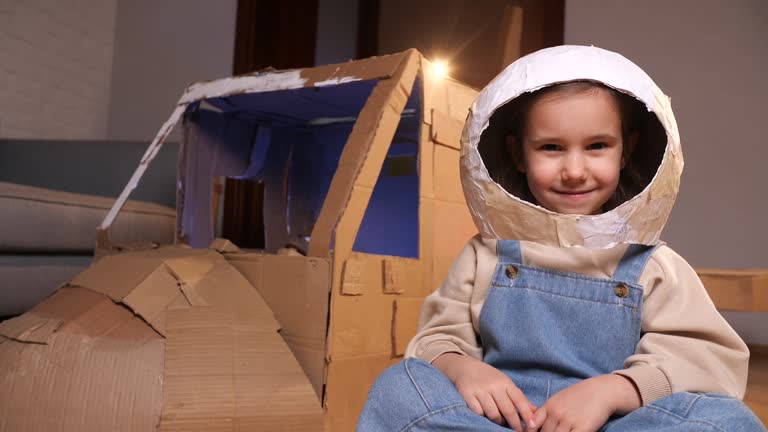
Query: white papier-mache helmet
(499, 214)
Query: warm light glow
(441, 68)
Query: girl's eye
(550, 147)
(597, 146)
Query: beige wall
(161, 47)
(710, 57)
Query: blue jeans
(415, 396)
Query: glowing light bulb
(441, 68)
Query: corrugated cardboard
(449, 218)
(296, 289)
(180, 338)
(446, 130)
(426, 162)
(67, 380)
(345, 393)
(405, 313)
(361, 160)
(447, 183)
(353, 277)
(98, 355)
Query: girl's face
(572, 151)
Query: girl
(566, 313)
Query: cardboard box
(359, 164)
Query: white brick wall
(55, 68)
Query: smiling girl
(567, 313)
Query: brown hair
(511, 118)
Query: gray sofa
(53, 195)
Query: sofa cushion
(36, 220)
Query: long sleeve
(686, 345)
(445, 323)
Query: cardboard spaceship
(359, 164)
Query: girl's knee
(412, 381)
(395, 399)
(392, 382)
(730, 413)
(716, 410)
(685, 411)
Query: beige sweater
(686, 345)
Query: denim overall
(547, 330)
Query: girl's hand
(487, 391)
(586, 406)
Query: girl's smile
(575, 196)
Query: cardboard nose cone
(174, 337)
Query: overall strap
(509, 251)
(633, 262)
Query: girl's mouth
(574, 193)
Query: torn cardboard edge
(352, 280)
(105, 247)
(40, 324)
(382, 67)
(29, 328)
(155, 281)
(370, 273)
(100, 370)
(446, 130)
(149, 155)
(224, 246)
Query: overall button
(510, 271)
(621, 290)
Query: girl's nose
(574, 168)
